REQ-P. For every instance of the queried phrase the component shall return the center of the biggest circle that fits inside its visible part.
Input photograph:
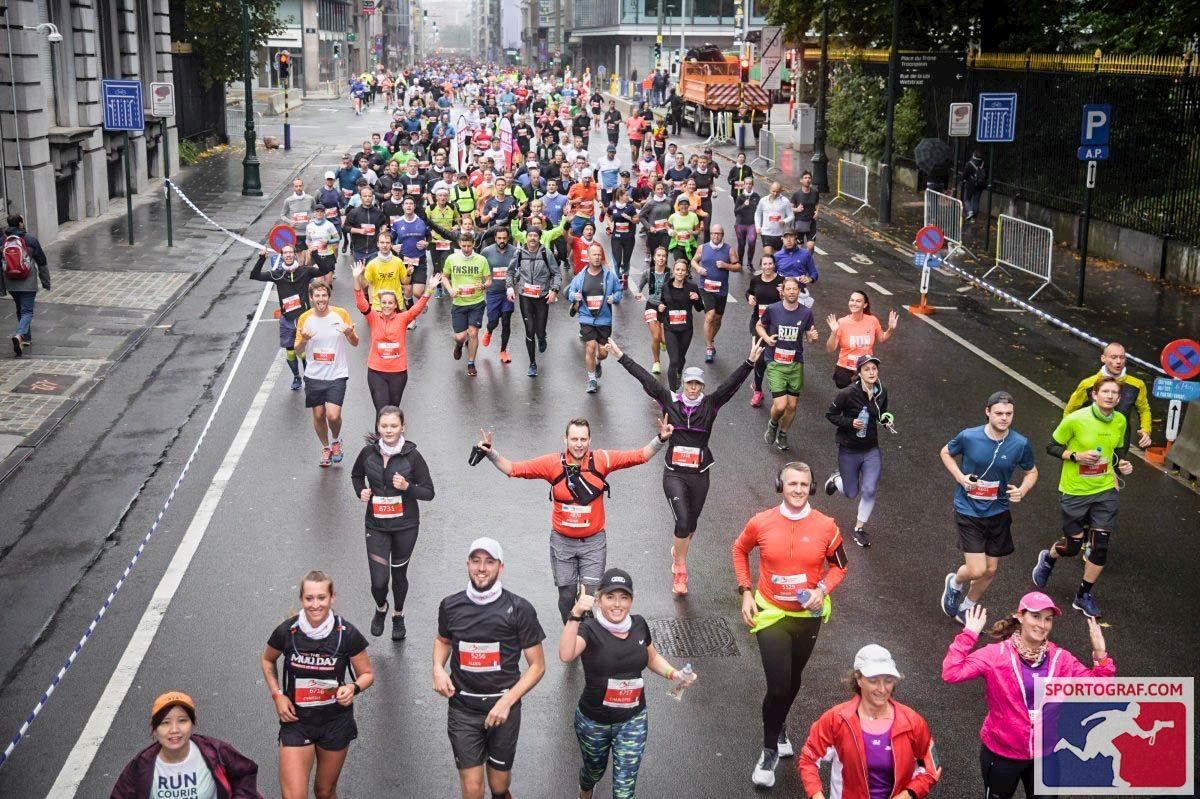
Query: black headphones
(797, 465)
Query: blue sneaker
(592, 386)
(1086, 605)
(297, 384)
(1043, 569)
(532, 370)
(951, 597)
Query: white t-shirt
(190, 779)
(327, 352)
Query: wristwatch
(575, 618)
(743, 589)
(357, 689)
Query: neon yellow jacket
(1133, 398)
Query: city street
(255, 513)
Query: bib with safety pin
(659, 225)
(478, 657)
(531, 290)
(786, 587)
(289, 304)
(500, 273)
(595, 301)
(312, 692)
(441, 245)
(623, 694)
(686, 456)
(387, 507)
(712, 286)
(323, 356)
(1093, 469)
(650, 315)
(984, 490)
(785, 356)
(575, 515)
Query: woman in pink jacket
(1022, 652)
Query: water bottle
(865, 418)
(676, 690)
(803, 597)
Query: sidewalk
(107, 295)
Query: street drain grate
(706, 636)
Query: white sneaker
(785, 746)
(764, 770)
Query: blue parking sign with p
(1096, 119)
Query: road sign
(771, 43)
(123, 105)
(997, 117)
(1089, 152)
(162, 99)
(960, 119)
(933, 261)
(942, 69)
(771, 77)
(930, 239)
(281, 236)
(1183, 390)
(1096, 120)
(1181, 359)
(1174, 416)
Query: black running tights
(784, 648)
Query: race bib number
(441, 245)
(785, 356)
(300, 217)
(623, 694)
(701, 193)
(621, 227)
(1093, 469)
(411, 261)
(323, 356)
(387, 507)
(762, 309)
(347, 192)
(660, 225)
(785, 587)
(388, 350)
(315, 693)
(774, 217)
(686, 456)
(712, 286)
(289, 304)
(368, 230)
(595, 301)
(650, 315)
(677, 317)
(500, 273)
(683, 235)
(478, 658)
(575, 515)
(413, 188)
(984, 490)
(469, 291)
(530, 290)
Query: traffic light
(285, 65)
(658, 54)
(745, 65)
(789, 58)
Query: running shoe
(599, 369)
(593, 386)
(297, 383)
(785, 746)
(1084, 603)
(458, 349)
(399, 631)
(764, 770)
(951, 597)
(772, 432)
(709, 354)
(1043, 569)
(756, 399)
(656, 368)
(781, 442)
(377, 620)
(861, 537)
(533, 372)
(18, 346)
(326, 456)
(487, 338)
(541, 345)
(831, 484)
(336, 450)
(471, 370)
(505, 357)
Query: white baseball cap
(693, 374)
(330, 176)
(875, 661)
(488, 545)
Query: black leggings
(784, 648)
(387, 388)
(387, 557)
(534, 313)
(504, 320)
(686, 493)
(622, 247)
(678, 341)
(1002, 775)
(656, 239)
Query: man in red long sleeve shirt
(801, 561)
(577, 477)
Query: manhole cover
(45, 383)
(706, 636)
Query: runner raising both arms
(325, 332)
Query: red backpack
(18, 263)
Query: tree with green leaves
(214, 29)
(857, 107)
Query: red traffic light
(284, 58)
(745, 63)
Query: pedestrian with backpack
(975, 180)
(24, 266)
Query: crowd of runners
(486, 193)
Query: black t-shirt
(765, 292)
(809, 200)
(744, 207)
(613, 690)
(487, 640)
(312, 670)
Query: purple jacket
(1008, 728)
(234, 774)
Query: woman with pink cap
(1009, 667)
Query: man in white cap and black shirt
(483, 631)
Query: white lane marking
(879, 288)
(732, 299)
(819, 251)
(1032, 386)
(944, 307)
(84, 752)
(1009, 310)
(962, 289)
(845, 268)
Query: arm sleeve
(733, 382)
(746, 541)
(654, 389)
(960, 663)
(421, 486)
(256, 271)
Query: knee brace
(290, 355)
(1097, 548)
(1068, 547)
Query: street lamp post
(820, 161)
(889, 131)
(251, 180)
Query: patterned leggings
(627, 742)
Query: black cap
(863, 360)
(998, 397)
(614, 579)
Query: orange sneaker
(505, 357)
(487, 339)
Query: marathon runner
(855, 335)
(615, 648)
(390, 476)
(805, 200)
(682, 227)
(315, 700)
(801, 560)
(411, 235)
(292, 282)
(712, 264)
(655, 213)
(745, 206)
(762, 292)
(622, 228)
(595, 290)
(364, 223)
(322, 236)
(298, 209)
(692, 414)
(1133, 401)
(680, 297)
(783, 326)
(325, 331)
(1090, 442)
(772, 217)
(649, 287)
(467, 275)
(578, 478)
(386, 271)
(483, 632)
(535, 278)
(387, 361)
(499, 307)
(1010, 667)
(990, 454)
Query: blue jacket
(796, 263)
(612, 288)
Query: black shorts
(319, 392)
(774, 242)
(474, 745)
(419, 273)
(464, 316)
(287, 333)
(988, 535)
(714, 302)
(333, 734)
(598, 333)
(1094, 511)
(843, 377)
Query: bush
(858, 114)
(189, 152)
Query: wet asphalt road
(280, 515)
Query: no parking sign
(281, 236)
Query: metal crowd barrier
(852, 182)
(767, 150)
(1024, 246)
(947, 213)
(720, 127)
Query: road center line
(845, 268)
(879, 288)
(80, 759)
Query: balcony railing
(610, 13)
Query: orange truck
(713, 86)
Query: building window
(106, 38)
(146, 47)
